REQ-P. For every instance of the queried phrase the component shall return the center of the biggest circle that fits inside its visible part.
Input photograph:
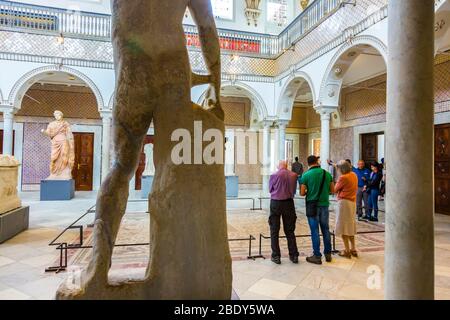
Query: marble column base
(13, 222)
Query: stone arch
(111, 101)
(252, 94)
(289, 91)
(331, 85)
(27, 80)
(442, 26)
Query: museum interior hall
(225, 149)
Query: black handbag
(312, 205)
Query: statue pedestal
(146, 186)
(57, 190)
(13, 222)
(232, 186)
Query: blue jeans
(322, 220)
(373, 203)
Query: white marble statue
(149, 165)
(229, 157)
(9, 171)
(63, 150)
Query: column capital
(7, 110)
(325, 110)
(106, 115)
(268, 121)
(282, 123)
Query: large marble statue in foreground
(63, 151)
(189, 256)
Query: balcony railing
(47, 20)
(23, 17)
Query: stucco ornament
(189, 253)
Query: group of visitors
(352, 187)
(369, 189)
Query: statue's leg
(133, 113)
(132, 119)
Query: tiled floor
(24, 258)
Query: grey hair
(344, 167)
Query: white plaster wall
(240, 21)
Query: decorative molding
(290, 100)
(252, 11)
(254, 96)
(356, 29)
(56, 60)
(330, 87)
(23, 84)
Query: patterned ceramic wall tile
(442, 84)
(364, 100)
(237, 111)
(36, 154)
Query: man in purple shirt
(282, 187)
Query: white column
(106, 143)
(409, 253)
(266, 155)
(8, 127)
(229, 154)
(325, 117)
(276, 138)
(282, 139)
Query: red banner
(232, 44)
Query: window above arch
(223, 9)
(277, 12)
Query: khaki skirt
(345, 218)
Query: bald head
(282, 164)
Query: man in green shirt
(311, 188)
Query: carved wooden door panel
(141, 166)
(369, 148)
(83, 169)
(442, 169)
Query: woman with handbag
(346, 189)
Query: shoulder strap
(324, 174)
(322, 183)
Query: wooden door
(1, 141)
(83, 169)
(369, 148)
(141, 165)
(442, 169)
